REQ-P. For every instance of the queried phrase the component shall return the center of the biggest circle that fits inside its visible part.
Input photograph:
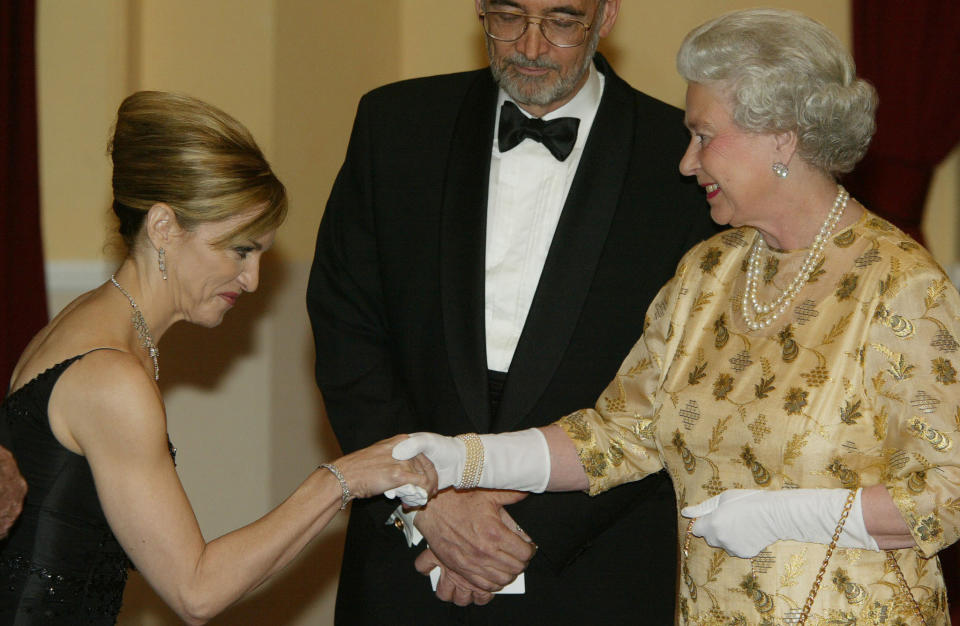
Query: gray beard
(535, 91)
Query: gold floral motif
(614, 404)
(790, 348)
(721, 334)
(770, 269)
(795, 400)
(795, 447)
(944, 371)
(917, 481)
(850, 412)
(928, 528)
(689, 461)
(761, 600)
(817, 270)
(837, 330)
(699, 371)
(639, 368)
(793, 569)
(900, 369)
(710, 259)
(901, 326)
(923, 431)
(935, 293)
(881, 313)
(722, 386)
(764, 387)
(854, 593)
(848, 478)
(615, 453)
(846, 286)
(713, 486)
(717, 435)
(643, 428)
(880, 426)
(760, 474)
(817, 376)
(577, 426)
(703, 299)
(594, 462)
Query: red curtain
(911, 52)
(23, 300)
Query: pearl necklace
(758, 314)
(143, 331)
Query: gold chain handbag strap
(904, 587)
(805, 611)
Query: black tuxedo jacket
(396, 303)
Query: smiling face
(731, 164)
(538, 75)
(208, 278)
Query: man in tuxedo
(484, 263)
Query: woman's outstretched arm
(106, 408)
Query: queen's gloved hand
(518, 460)
(745, 521)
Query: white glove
(745, 521)
(410, 495)
(518, 460)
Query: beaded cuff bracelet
(473, 467)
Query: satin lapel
(462, 248)
(574, 253)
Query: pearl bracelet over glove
(518, 460)
(745, 521)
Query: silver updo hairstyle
(784, 71)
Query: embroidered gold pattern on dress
(853, 386)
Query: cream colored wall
(242, 406)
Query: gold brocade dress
(854, 385)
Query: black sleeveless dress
(61, 563)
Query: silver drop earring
(162, 262)
(780, 169)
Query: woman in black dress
(198, 206)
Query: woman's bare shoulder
(83, 325)
(106, 398)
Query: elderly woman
(795, 377)
(198, 206)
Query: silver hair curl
(784, 71)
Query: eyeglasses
(563, 32)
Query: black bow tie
(557, 136)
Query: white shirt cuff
(403, 521)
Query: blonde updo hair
(784, 71)
(192, 156)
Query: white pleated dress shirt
(527, 190)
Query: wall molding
(76, 275)
(84, 275)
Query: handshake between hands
(474, 544)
